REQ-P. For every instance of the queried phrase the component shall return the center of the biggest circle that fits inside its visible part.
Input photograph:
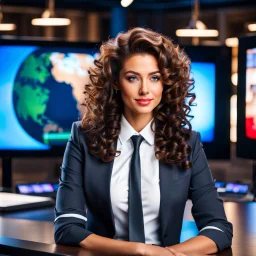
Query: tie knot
(136, 140)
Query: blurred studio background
(43, 71)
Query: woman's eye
(155, 78)
(131, 78)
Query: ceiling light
(49, 18)
(5, 26)
(126, 3)
(232, 42)
(252, 26)
(196, 28)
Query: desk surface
(28, 226)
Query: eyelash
(156, 77)
(131, 78)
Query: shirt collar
(127, 131)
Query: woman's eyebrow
(136, 73)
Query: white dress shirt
(150, 191)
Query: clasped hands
(152, 250)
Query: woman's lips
(144, 102)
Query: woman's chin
(144, 110)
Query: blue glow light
(204, 112)
(189, 230)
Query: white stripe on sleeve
(73, 215)
(210, 227)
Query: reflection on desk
(12, 246)
(242, 215)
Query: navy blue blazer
(85, 182)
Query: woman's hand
(152, 250)
(175, 252)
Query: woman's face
(140, 85)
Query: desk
(25, 231)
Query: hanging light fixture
(252, 26)
(5, 26)
(126, 3)
(232, 42)
(196, 28)
(49, 18)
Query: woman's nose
(144, 89)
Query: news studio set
(51, 202)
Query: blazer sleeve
(207, 209)
(70, 216)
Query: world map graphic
(48, 92)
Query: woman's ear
(115, 85)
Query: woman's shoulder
(77, 125)
(194, 137)
(77, 130)
(194, 142)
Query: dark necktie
(136, 224)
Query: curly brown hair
(104, 106)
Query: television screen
(211, 70)
(250, 108)
(246, 98)
(41, 91)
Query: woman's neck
(138, 122)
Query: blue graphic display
(40, 95)
(204, 112)
(12, 135)
(40, 89)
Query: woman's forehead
(140, 62)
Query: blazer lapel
(166, 178)
(98, 175)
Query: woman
(135, 194)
